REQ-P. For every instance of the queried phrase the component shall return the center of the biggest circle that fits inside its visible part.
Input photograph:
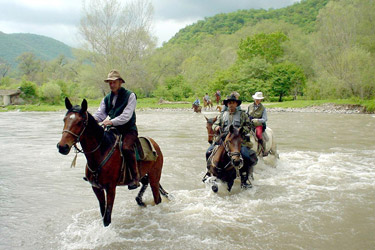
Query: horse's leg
(101, 198)
(230, 185)
(144, 182)
(111, 193)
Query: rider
(218, 96)
(258, 116)
(239, 119)
(207, 98)
(120, 105)
(197, 102)
(237, 95)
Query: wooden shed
(10, 96)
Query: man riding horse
(120, 105)
(258, 117)
(238, 119)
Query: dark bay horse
(197, 108)
(210, 131)
(104, 168)
(226, 160)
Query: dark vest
(236, 120)
(121, 103)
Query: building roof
(9, 92)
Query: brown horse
(226, 160)
(197, 108)
(104, 168)
(207, 104)
(210, 131)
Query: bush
(29, 90)
(51, 93)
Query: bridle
(77, 137)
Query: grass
(153, 103)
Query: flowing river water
(321, 195)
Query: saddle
(144, 151)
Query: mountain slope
(44, 48)
(303, 14)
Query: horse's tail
(163, 192)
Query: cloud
(59, 19)
(198, 9)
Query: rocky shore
(325, 108)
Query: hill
(44, 48)
(302, 14)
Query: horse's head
(75, 122)
(210, 131)
(232, 145)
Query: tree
(28, 65)
(287, 77)
(119, 37)
(263, 45)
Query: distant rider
(258, 117)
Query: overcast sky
(59, 19)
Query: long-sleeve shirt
(262, 119)
(101, 114)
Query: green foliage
(175, 89)
(29, 90)
(51, 93)
(267, 46)
(287, 77)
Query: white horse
(271, 147)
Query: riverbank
(321, 106)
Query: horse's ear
(231, 129)
(206, 118)
(241, 130)
(84, 106)
(214, 119)
(68, 104)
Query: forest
(311, 50)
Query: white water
(320, 196)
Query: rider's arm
(264, 117)
(127, 113)
(101, 113)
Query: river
(321, 195)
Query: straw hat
(258, 96)
(114, 75)
(232, 98)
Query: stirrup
(133, 185)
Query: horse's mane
(98, 130)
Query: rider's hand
(107, 123)
(217, 129)
(254, 120)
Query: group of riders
(119, 105)
(254, 118)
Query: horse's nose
(63, 149)
(210, 142)
(236, 163)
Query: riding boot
(131, 163)
(245, 182)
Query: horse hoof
(140, 202)
(215, 188)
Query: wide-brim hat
(114, 75)
(232, 98)
(258, 96)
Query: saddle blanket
(145, 151)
